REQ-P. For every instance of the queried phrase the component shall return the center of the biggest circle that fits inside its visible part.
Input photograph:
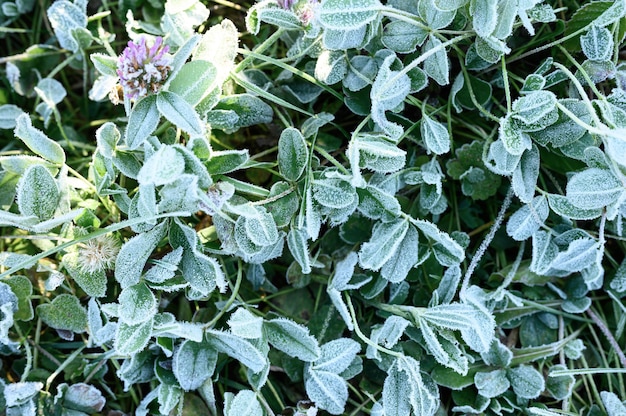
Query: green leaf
(593, 188)
(64, 312)
(599, 13)
(134, 254)
(94, 283)
(527, 382)
(131, 339)
(193, 363)
(38, 193)
(597, 43)
(484, 16)
(194, 81)
(226, 161)
(297, 243)
(336, 355)
(328, 390)
(453, 251)
(397, 268)
(137, 304)
(396, 392)
(105, 64)
(245, 403)
(477, 328)
(563, 207)
(377, 204)
(293, 154)
(347, 14)
(515, 141)
(250, 110)
(37, 141)
(437, 65)
(334, 192)
(560, 387)
(525, 175)
(246, 325)
(65, 16)
(143, 120)
(403, 37)
(174, 108)
(81, 397)
(528, 219)
(386, 239)
(612, 403)
(389, 90)
(292, 339)
(163, 167)
(492, 384)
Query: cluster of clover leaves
(162, 261)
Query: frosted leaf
(515, 141)
(347, 14)
(293, 154)
(64, 17)
(238, 348)
(92, 281)
(498, 354)
(65, 313)
(105, 64)
(449, 5)
(194, 81)
(477, 327)
(532, 107)
(543, 252)
(373, 152)
(193, 363)
(163, 167)
(405, 257)
(561, 206)
(137, 304)
(328, 390)
(377, 204)
(339, 40)
(614, 406)
(618, 283)
(437, 65)
(80, 397)
(38, 193)
(435, 135)
(260, 227)
(178, 111)
(579, 254)
(336, 355)
(597, 43)
(527, 382)
(246, 325)
(244, 403)
(340, 305)
(361, 73)
(491, 384)
(134, 254)
(331, 67)
(385, 240)
(454, 252)
(528, 219)
(448, 284)
(17, 394)
(181, 17)
(297, 243)
(37, 141)
(435, 18)
(8, 115)
(334, 192)
(202, 272)
(424, 396)
(593, 188)
(403, 37)
(142, 121)
(344, 270)
(525, 175)
(616, 146)
(131, 339)
(500, 160)
(564, 130)
(387, 335)
(484, 16)
(292, 339)
(51, 93)
(488, 50)
(396, 393)
(389, 90)
(219, 45)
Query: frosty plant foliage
(310, 207)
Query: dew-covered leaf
(348, 14)
(328, 390)
(385, 240)
(134, 254)
(435, 135)
(37, 141)
(137, 304)
(527, 382)
(143, 120)
(336, 355)
(293, 154)
(65, 313)
(593, 188)
(292, 339)
(238, 348)
(38, 193)
(131, 339)
(528, 219)
(193, 363)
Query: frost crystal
(98, 254)
(142, 69)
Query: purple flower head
(143, 70)
(286, 4)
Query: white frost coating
(484, 16)
(594, 188)
(491, 384)
(612, 403)
(437, 65)
(386, 238)
(134, 254)
(245, 325)
(579, 255)
(347, 14)
(597, 43)
(245, 403)
(163, 167)
(525, 175)
(530, 108)
(342, 308)
(137, 304)
(130, 340)
(405, 257)
(193, 363)
(396, 392)
(292, 339)
(526, 220)
(344, 270)
(327, 390)
(337, 355)
(527, 382)
(435, 135)
(20, 393)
